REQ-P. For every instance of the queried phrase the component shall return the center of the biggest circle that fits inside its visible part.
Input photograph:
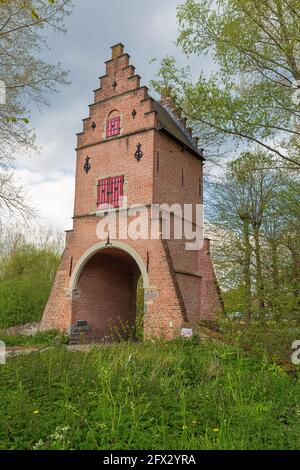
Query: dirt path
(19, 350)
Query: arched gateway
(103, 247)
(133, 151)
(103, 287)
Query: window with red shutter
(117, 185)
(110, 192)
(113, 126)
(103, 193)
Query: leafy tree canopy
(253, 96)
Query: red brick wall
(164, 315)
(182, 284)
(173, 160)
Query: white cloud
(161, 25)
(53, 197)
(55, 130)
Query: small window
(113, 126)
(110, 192)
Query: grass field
(176, 395)
(41, 338)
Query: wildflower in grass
(58, 438)
(184, 427)
(38, 445)
(101, 426)
(35, 412)
(59, 432)
(216, 430)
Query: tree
(231, 211)
(253, 97)
(257, 213)
(289, 206)
(261, 186)
(28, 80)
(28, 264)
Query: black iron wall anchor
(108, 243)
(138, 154)
(87, 165)
(114, 85)
(93, 126)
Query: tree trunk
(275, 279)
(296, 275)
(296, 268)
(275, 273)
(259, 277)
(246, 269)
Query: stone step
(78, 334)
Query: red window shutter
(103, 193)
(110, 192)
(117, 125)
(113, 126)
(109, 128)
(121, 190)
(117, 191)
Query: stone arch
(100, 247)
(112, 114)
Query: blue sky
(148, 29)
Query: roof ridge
(179, 125)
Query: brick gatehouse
(133, 150)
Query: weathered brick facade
(97, 278)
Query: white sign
(186, 332)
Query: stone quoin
(133, 150)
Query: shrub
(26, 278)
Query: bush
(272, 338)
(26, 278)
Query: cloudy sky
(148, 30)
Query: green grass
(42, 338)
(176, 395)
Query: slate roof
(171, 125)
